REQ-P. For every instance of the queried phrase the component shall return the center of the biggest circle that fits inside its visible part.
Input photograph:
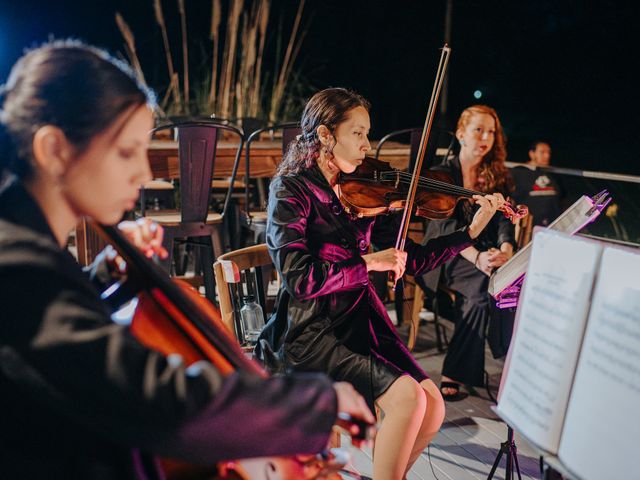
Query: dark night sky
(559, 70)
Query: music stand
(511, 451)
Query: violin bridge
(397, 180)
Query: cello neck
(152, 277)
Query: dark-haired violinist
(328, 317)
(81, 396)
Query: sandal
(452, 397)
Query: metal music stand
(511, 451)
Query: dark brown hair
(328, 107)
(491, 172)
(76, 87)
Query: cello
(172, 318)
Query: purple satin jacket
(328, 317)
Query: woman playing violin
(82, 397)
(479, 166)
(328, 317)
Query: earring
(462, 142)
(327, 153)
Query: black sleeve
(59, 343)
(436, 250)
(304, 276)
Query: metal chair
(256, 219)
(437, 293)
(197, 141)
(440, 145)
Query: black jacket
(328, 317)
(499, 230)
(80, 397)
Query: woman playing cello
(81, 396)
(328, 317)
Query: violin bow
(426, 131)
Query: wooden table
(265, 157)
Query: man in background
(536, 189)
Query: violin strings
(440, 186)
(428, 182)
(431, 182)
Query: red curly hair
(491, 173)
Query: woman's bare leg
(403, 408)
(432, 422)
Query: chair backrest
(523, 231)
(241, 272)
(197, 142)
(289, 132)
(440, 145)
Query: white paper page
(602, 428)
(551, 318)
(571, 221)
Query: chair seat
(221, 184)
(158, 185)
(174, 219)
(256, 217)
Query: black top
(498, 231)
(81, 397)
(539, 191)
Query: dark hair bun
(76, 87)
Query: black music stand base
(511, 451)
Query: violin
(375, 176)
(171, 317)
(376, 188)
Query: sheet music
(550, 324)
(600, 436)
(571, 221)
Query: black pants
(475, 317)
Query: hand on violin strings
(146, 236)
(489, 204)
(391, 259)
(353, 404)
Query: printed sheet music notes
(572, 377)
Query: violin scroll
(514, 213)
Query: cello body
(171, 317)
